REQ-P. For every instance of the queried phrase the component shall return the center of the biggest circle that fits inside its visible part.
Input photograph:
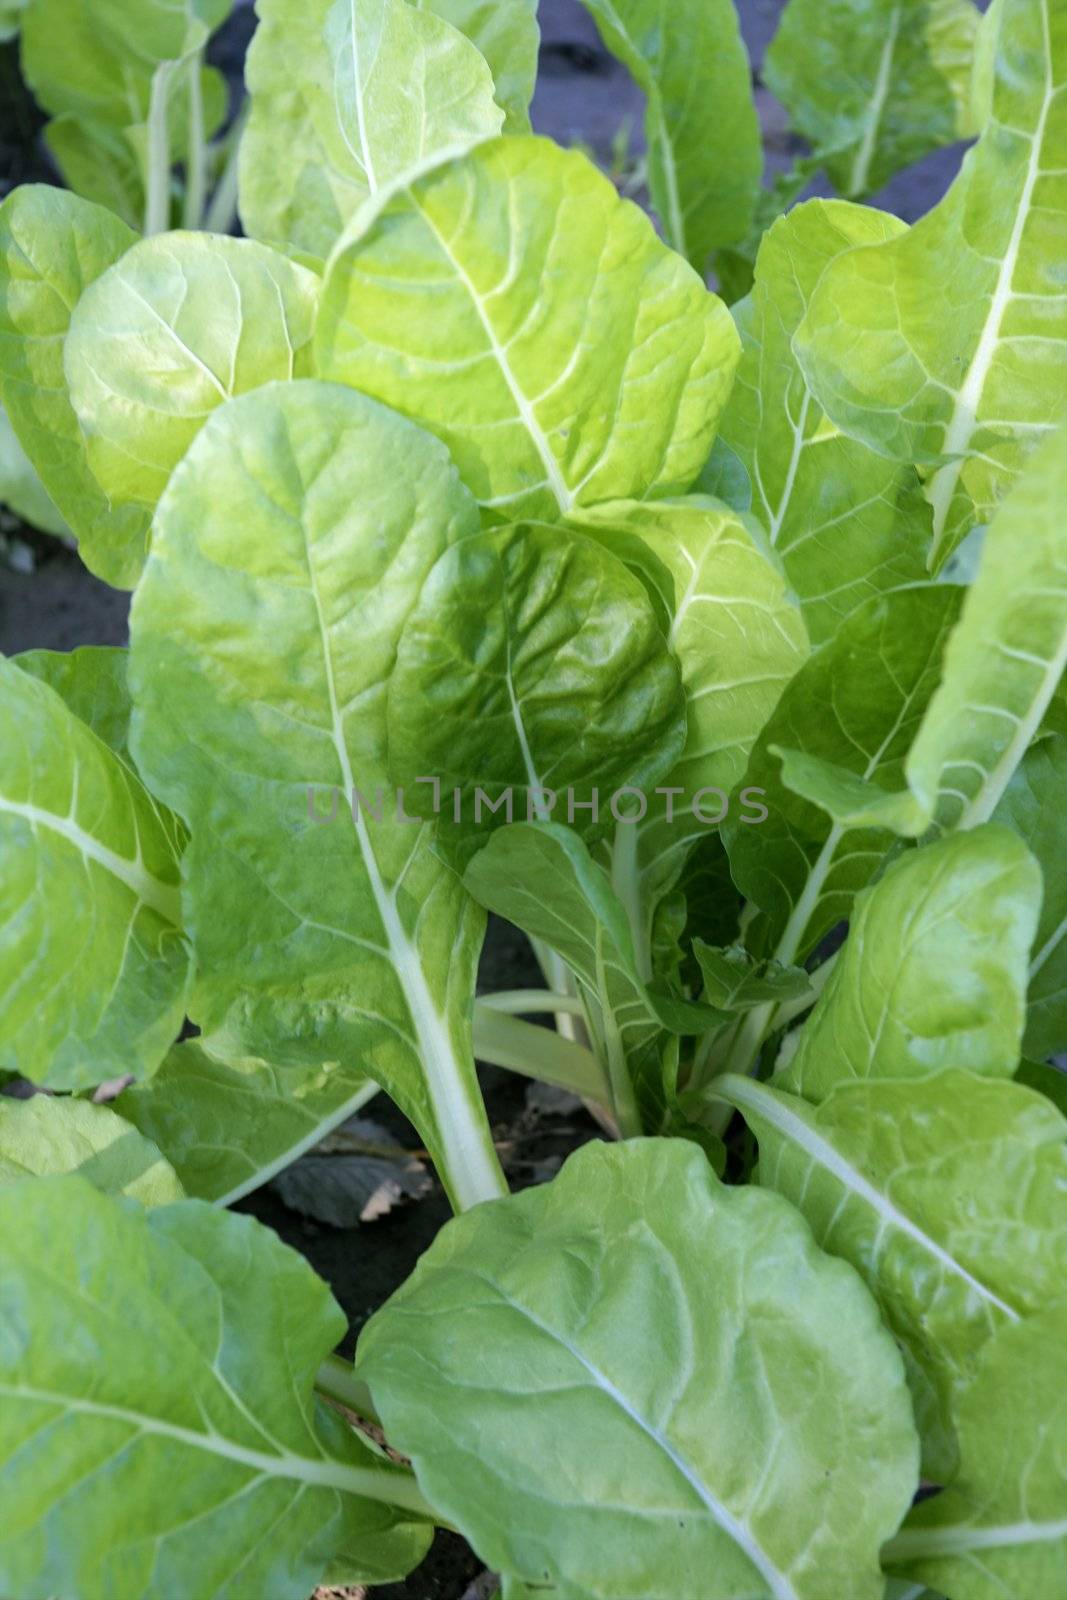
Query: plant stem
(506, 1041)
(157, 183)
(222, 212)
(531, 1002)
(336, 1379)
(196, 150)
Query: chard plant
(483, 561)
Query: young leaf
(348, 97)
(734, 981)
(1033, 805)
(228, 1123)
(100, 162)
(875, 84)
(846, 522)
(857, 704)
(659, 1377)
(934, 970)
(949, 1195)
(177, 327)
(948, 345)
(94, 967)
(537, 325)
(288, 549)
(531, 669)
(52, 246)
(158, 1430)
(705, 153)
(507, 35)
(49, 1134)
(1000, 1529)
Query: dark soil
(582, 96)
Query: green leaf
(735, 981)
(705, 154)
(856, 705)
(507, 35)
(159, 1432)
(93, 968)
(92, 683)
(52, 246)
(531, 669)
(659, 1378)
(846, 522)
(21, 490)
(1046, 1079)
(934, 970)
(948, 1194)
(736, 633)
(48, 1135)
(180, 325)
(510, 302)
(1000, 1530)
(948, 345)
(1032, 804)
(348, 98)
(99, 162)
(228, 1124)
(287, 551)
(874, 84)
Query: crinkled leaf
(507, 35)
(50, 1134)
(949, 1195)
(948, 345)
(21, 490)
(856, 704)
(735, 981)
(52, 246)
(636, 1382)
(180, 325)
(532, 662)
(287, 551)
(348, 97)
(705, 154)
(159, 1432)
(1000, 1530)
(846, 522)
(93, 966)
(510, 302)
(934, 970)
(1033, 805)
(875, 84)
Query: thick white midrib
(737, 1529)
(163, 898)
(913, 1543)
(323, 1472)
(361, 110)
(861, 166)
(741, 1092)
(989, 795)
(969, 397)
(554, 476)
(470, 1166)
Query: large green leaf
(52, 1134)
(1000, 1531)
(515, 306)
(1033, 805)
(507, 35)
(949, 1195)
(228, 1123)
(705, 153)
(948, 345)
(52, 246)
(21, 490)
(287, 551)
(179, 326)
(99, 161)
(856, 704)
(739, 639)
(533, 670)
(635, 1381)
(349, 97)
(93, 966)
(874, 84)
(846, 522)
(159, 1433)
(934, 971)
